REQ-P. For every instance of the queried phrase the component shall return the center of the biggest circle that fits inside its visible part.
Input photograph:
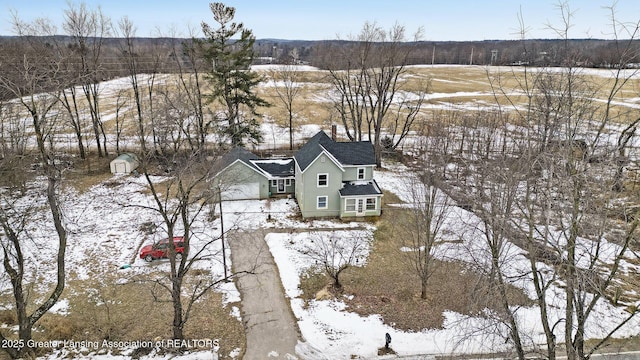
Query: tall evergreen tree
(232, 81)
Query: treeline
(535, 52)
(109, 57)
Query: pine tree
(232, 80)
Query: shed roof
(128, 157)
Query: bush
(58, 327)
(311, 282)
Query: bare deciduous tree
(180, 202)
(335, 254)
(88, 30)
(287, 89)
(367, 80)
(191, 81)
(13, 130)
(33, 81)
(130, 57)
(487, 184)
(542, 177)
(405, 118)
(420, 226)
(121, 103)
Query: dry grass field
(449, 88)
(384, 286)
(464, 88)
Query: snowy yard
(101, 219)
(106, 232)
(330, 328)
(106, 220)
(107, 225)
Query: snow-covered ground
(103, 220)
(107, 219)
(330, 328)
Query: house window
(323, 180)
(371, 203)
(350, 205)
(274, 183)
(322, 202)
(361, 173)
(288, 182)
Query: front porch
(282, 187)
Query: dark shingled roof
(237, 153)
(273, 167)
(360, 189)
(276, 168)
(347, 153)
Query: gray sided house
(328, 178)
(336, 178)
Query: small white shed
(124, 164)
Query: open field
(471, 88)
(457, 89)
(102, 301)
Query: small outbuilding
(124, 164)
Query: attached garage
(242, 192)
(124, 164)
(237, 177)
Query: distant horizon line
(342, 40)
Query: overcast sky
(441, 20)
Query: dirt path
(270, 325)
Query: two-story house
(328, 178)
(336, 178)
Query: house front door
(360, 207)
(280, 186)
